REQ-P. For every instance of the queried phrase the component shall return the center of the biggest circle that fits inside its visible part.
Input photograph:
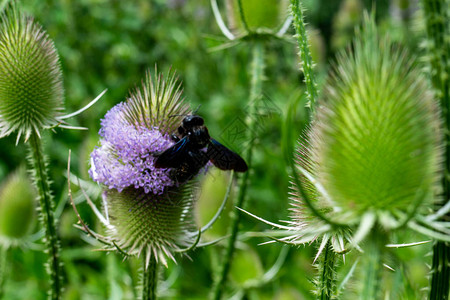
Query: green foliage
(348, 17)
(212, 191)
(110, 44)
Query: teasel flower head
(379, 131)
(372, 154)
(31, 86)
(146, 212)
(17, 208)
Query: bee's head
(192, 120)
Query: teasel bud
(31, 88)
(17, 208)
(378, 145)
(149, 214)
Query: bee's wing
(224, 158)
(173, 156)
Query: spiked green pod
(31, 89)
(378, 131)
(17, 208)
(151, 225)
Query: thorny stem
(372, 266)
(149, 279)
(305, 55)
(437, 13)
(41, 180)
(327, 278)
(257, 70)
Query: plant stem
(372, 266)
(3, 260)
(327, 278)
(440, 272)
(41, 180)
(437, 14)
(305, 55)
(257, 73)
(149, 279)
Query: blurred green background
(110, 44)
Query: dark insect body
(193, 149)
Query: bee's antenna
(196, 110)
(184, 115)
(171, 116)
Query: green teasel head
(17, 208)
(376, 138)
(31, 86)
(152, 225)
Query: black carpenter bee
(193, 149)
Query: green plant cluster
(110, 45)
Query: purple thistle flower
(125, 158)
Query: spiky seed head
(259, 14)
(377, 145)
(149, 213)
(152, 225)
(17, 207)
(31, 88)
